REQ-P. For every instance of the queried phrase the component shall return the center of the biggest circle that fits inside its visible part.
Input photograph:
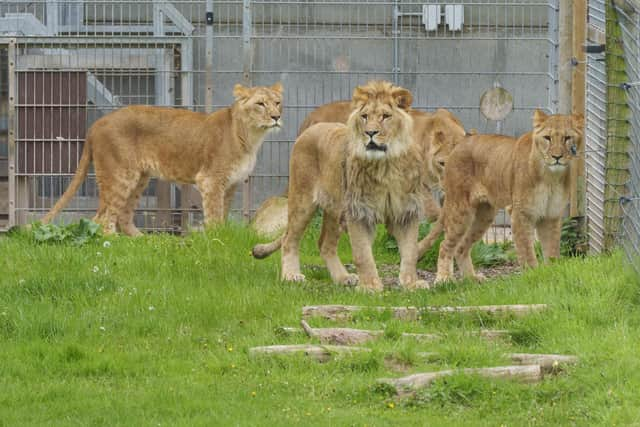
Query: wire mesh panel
(596, 134)
(629, 194)
(78, 60)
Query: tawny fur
(529, 175)
(437, 132)
(215, 152)
(332, 168)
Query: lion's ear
(578, 121)
(277, 87)
(539, 118)
(360, 96)
(402, 97)
(241, 92)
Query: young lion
(215, 152)
(437, 132)
(369, 170)
(488, 172)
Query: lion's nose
(371, 133)
(441, 163)
(557, 157)
(276, 118)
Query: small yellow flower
(233, 366)
(308, 414)
(253, 394)
(230, 349)
(391, 405)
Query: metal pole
(396, 41)
(12, 131)
(247, 81)
(208, 107)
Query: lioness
(369, 170)
(437, 132)
(215, 152)
(488, 172)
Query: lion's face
(379, 123)
(557, 138)
(447, 132)
(260, 106)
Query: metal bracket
(209, 18)
(594, 48)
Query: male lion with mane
(215, 152)
(371, 171)
(529, 176)
(437, 133)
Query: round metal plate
(496, 103)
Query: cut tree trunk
(549, 363)
(321, 353)
(412, 383)
(345, 312)
(349, 336)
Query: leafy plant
(77, 233)
(573, 241)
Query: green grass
(155, 331)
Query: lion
(529, 176)
(438, 132)
(215, 152)
(369, 170)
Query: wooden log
(321, 353)
(412, 383)
(548, 362)
(349, 336)
(345, 312)
(341, 336)
(493, 334)
(514, 309)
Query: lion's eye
(567, 138)
(277, 104)
(260, 104)
(547, 138)
(364, 116)
(385, 116)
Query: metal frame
(220, 42)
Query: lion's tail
(263, 250)
(76, 182)
(425, 244)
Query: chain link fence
(624, 152)
(71, 61)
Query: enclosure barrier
(622, 209)
(69, 62)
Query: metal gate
(72, 61)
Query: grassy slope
(154, 331)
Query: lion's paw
(422, 284)
(370, 287)
(350, 280)
(443, 278)
(293, 277)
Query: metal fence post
(554, 10)
(247, 81)
(11, 52)
(395, 31)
